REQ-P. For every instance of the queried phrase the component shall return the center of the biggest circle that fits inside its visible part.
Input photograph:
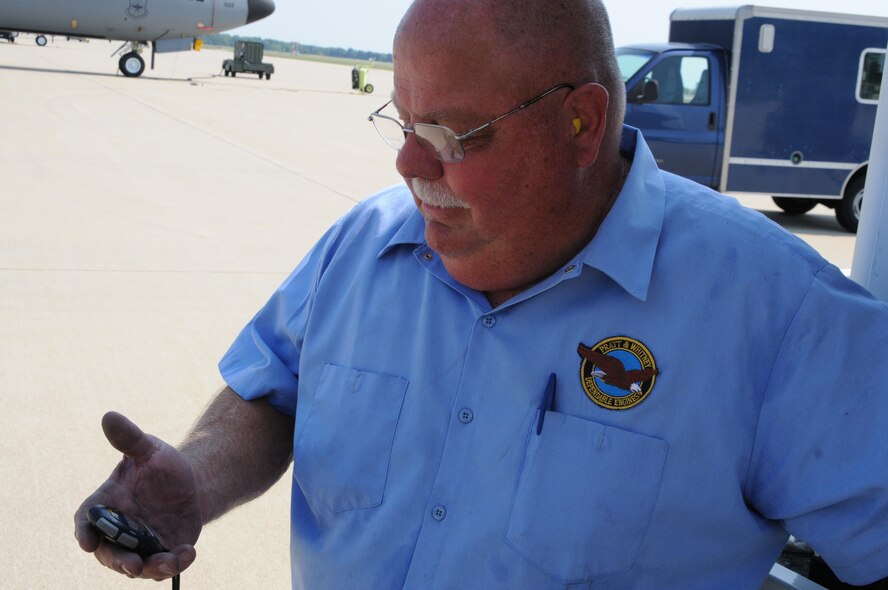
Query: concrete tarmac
(142, 223)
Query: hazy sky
(370, 24)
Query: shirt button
(439, 513)
(428, 256)
(489, 321)
(466, 415)
(570, 269)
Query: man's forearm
(237, 450)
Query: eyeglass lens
(438, 140)
(389, 130)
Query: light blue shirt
(717, 384)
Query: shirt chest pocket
(584, 498)
(342, 451)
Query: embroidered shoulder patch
(618, 373)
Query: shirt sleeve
(263, 361)
(820, 462)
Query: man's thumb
(126, 437)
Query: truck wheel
(268, 76)
(260, 75)
(368, 88)
(848, 209)
(40, 40)
(792, 206)
(233, 74)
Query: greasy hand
(154, 483)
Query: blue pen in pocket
(548, 403)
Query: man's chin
(444, 239)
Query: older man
(541, 364)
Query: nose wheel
(131, 65)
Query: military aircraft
(167, 25)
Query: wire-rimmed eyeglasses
(440, 141)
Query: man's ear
(587, 109)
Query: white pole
(870, 265)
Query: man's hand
(235, 452)
(154, 483)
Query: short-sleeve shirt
(657, 413)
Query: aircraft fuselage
(168, 25)
(124, 20)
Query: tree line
(225, 40)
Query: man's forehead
(442, 107)
(439, 89)
(457, 83)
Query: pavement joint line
(224, 140)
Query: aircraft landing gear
(131, 65)
(40, 40)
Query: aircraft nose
(257, 9)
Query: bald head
(535, 42)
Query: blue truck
(763, 100)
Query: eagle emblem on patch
(617, 373)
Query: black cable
(176, 582)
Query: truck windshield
(632, 60)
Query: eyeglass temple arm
(376, 112)
(513, 111)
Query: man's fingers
(161, 566)
(87, 536)
(186, 555)
(118, 559)
(126, 437)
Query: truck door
(682, 120)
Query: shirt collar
(626, 243)
(411, 232)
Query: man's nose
(414, 161)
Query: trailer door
(683, 125)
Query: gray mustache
(434, 195)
